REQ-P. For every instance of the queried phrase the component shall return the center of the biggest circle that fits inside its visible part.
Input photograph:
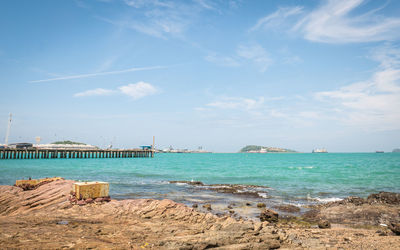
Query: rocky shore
(45, 218)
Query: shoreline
(44, 218)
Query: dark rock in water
(230, 206)
(248, 204)
(269, 215)
(261, 205)
(324, 224)
(395, 227)
(207, 206)
(288, 208)
(384, 197)
(357, 201)
(195, 205)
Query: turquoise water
(291, 177)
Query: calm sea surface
(291, 178)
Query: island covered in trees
(69, 143)
(263, 149)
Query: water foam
(326, 200)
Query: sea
(299, 179)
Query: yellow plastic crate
(85, 190)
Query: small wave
(300, 168)
(263, 195)
(181, 184)
(325, 200)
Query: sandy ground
(44, 218)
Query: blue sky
(217, 74)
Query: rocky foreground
(45, 218)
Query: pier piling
(35, 153)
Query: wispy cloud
(134, 90)
(333, 22)
(162, 19)
(97, 74)
(237, 103)
(257, 54)
(222, 60)
(372, 104)
(277, 18)
(95, 92)
(138, 90)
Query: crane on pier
(8, 130)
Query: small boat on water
(379, 151)
(320, 150)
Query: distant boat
(378, 151)
(320, 150)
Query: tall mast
(8, 130)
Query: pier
(8, 153)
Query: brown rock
(89, 200)
(98, 200)
(269, 215)
(81, 203)
(261, 205)
(207, 206)
(395, 227)
(195, 206)
(288, 208)
(272, 244)
(107, 199)
(324, 224)
(384, 197)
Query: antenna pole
(8, 130)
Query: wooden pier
(8, 153)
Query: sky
(217, 74)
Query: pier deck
(8, 153)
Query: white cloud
(333, 22)
(237, 103)
(372, 104)
(95, 92)
(135, 90)
(138, 90)
(277, 18)
(256, 54)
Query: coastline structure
(37, 153)
(263, 149)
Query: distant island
(263, 149)
(68, 143)
(396, 150)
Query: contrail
(98, 74)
